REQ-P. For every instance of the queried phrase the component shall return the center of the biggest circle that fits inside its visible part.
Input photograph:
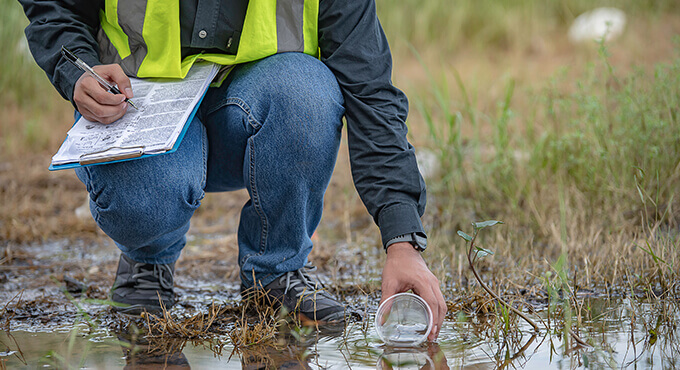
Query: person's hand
(438, 358)
(405, 269)
(94, 102)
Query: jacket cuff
(398, 220)
(68, 74)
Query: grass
(20, 79)
(575, 182)
(35, 118)
(450, 26)
(600, 142)
(600, 161)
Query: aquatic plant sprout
(403, 320)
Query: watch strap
(419, 242)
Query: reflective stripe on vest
(144, 36)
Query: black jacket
(353, 46)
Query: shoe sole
(307, 321)
(137, 310)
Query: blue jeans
(273, 128)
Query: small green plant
(474, 253)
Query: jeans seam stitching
(205, 159)
(256, 204)
(97, 208)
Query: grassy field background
(575, 147)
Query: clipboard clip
(111, 154)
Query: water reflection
(429, 357)
(292, 349)
(295, 349)
(623, 333)
(291, 356)
(511, 353)
(140, 354)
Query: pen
(82, 65)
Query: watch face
(419, 242)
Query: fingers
(441, 308)
(114, 73)
(94, 102)
(99, 94)
(430, 292)
(102, 114)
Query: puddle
(625, 333)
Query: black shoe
(141, 287)
(298, 293)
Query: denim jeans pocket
(253, 125)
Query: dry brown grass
(253, 322)
(556, 248)
(39, 205)
(194, 327)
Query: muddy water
(624, 334)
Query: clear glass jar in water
(405, 358)
(403, 320)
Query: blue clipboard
(138, 154)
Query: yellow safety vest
(144, 36)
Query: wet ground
(620, 342)
(52, 317)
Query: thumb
(115, 74)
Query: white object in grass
(598, 24)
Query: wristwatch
(417, 240)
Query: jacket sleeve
(71, 23)
(353, 45)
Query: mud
(620, 339)
(53, 314)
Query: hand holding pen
(95, 93)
